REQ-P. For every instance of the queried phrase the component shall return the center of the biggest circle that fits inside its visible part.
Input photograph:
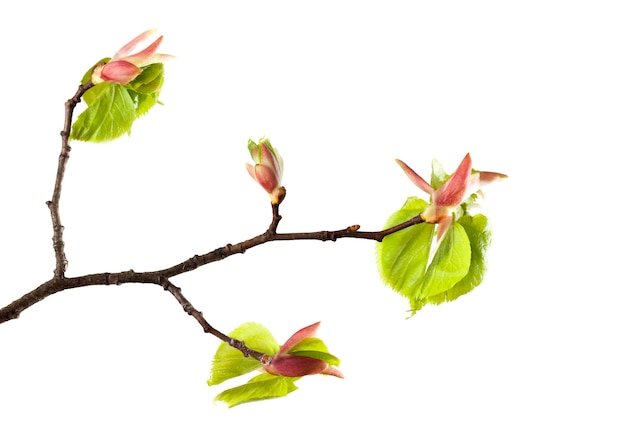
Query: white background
(534, 89)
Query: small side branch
(53, 205)
(208, 328)
(350, 232)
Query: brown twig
(57, 228)
(208, 328)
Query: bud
(268, 170)
(454, 191)
(124, 66)
(292, 360)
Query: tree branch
(161, 277)
(60, 282)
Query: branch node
(189, 309)
(330, 235)
(239, 345)
(226, 251)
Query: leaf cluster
(229, 363)
(112, 108)
(424, 270)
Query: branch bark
(162, 277)
(55, 214)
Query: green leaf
(402, 257)
(143, 102)
(109, 115)
(438, 175)
(112, 108)
(449, 265)
(229, 362)
(261, 387)
(456, 267)
(479, 235)
(314, 348)
(149, 80)
(146, 87)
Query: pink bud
(118, 71)
(124, 67)
(268, 170)
(452, 193)
(285, 364)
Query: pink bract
(448, 196)
(284, 364)
(124, 66)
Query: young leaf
(477, 230)
(109, 115)
(314, 348)
(143, 102)
(449, 265)
(438, 175)
(402, 257)
(229, 362)
(146, 87)
(149, 80)
(261, 387)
